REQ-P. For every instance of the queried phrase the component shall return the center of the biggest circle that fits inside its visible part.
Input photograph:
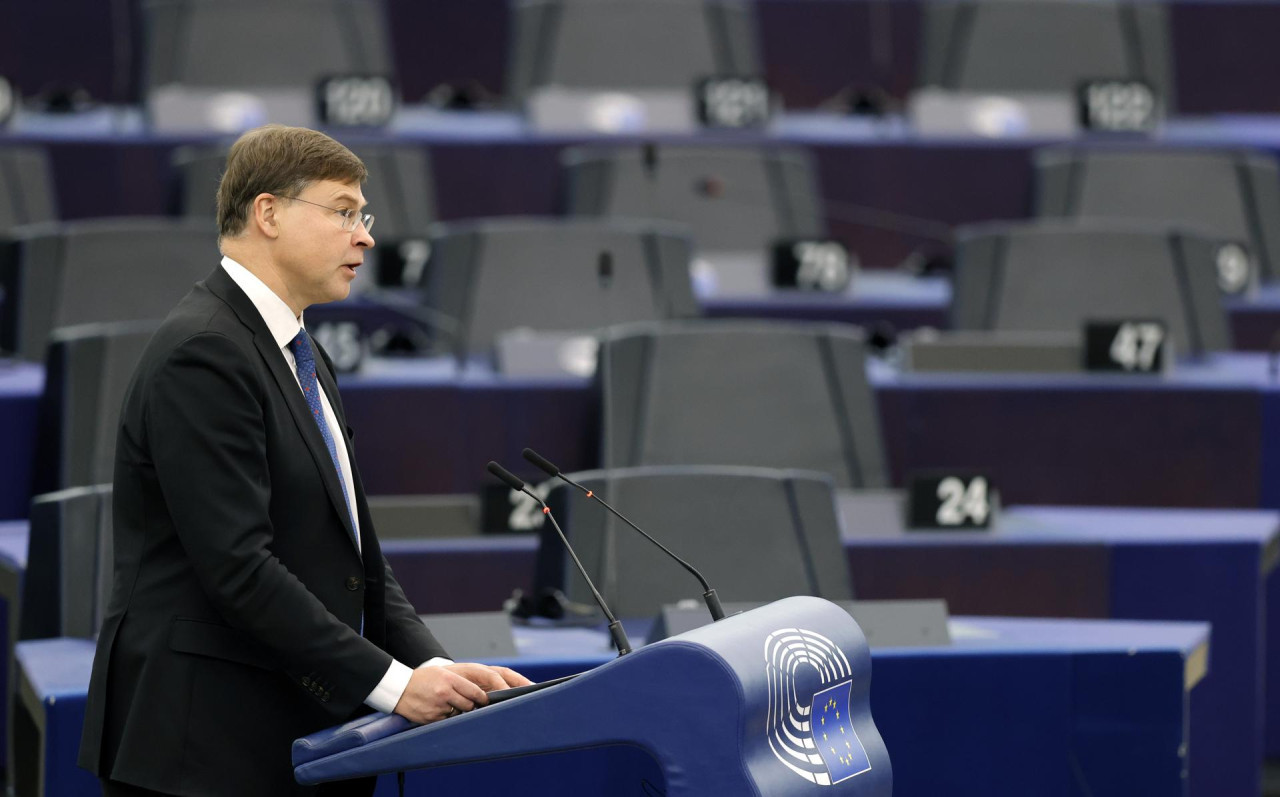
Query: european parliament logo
(810, 725)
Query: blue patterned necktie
(306, 361)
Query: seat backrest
(1044, 45)
(756, 534)
(733, 198)
(548, 274)
(400, 189)
(26, 187)
(69, 564)
(1232, 194)
(1042, 276)
(87, 371)
(97, 271)
(761, 394)
(628, 44)
(245, 44)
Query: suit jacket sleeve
(206, 429)
(408, 639)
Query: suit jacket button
(306, 681)
(324, 698)
(353, 584)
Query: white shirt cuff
(386, 695)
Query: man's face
(315, 258)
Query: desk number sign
(355, 101)
(733, 102)
(8, 100)
(1132, 347)
(950, 501)
(1117, 106)
(345, 343)
(812, 264)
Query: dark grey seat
(97, 271)
(26, 187)
(68, 564)
(1055, 276)
(546, 274)
(1047, 46)
(65, 592)
(734, 199)
(628, 44)
(87, 370)
(760, 394)
(275, 50)
(1233, 194)
(400, 189)
(757, 534)
(229, 44)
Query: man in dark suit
(251, 603)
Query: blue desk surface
(1012, 705)
(1211, 565)
(969, 636)
(21, 385)
(990, 714)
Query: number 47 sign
(1135, 347)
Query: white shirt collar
(281, 321)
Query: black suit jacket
(238, 589)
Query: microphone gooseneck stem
(548, 467)
(516, 483)
(620, 640)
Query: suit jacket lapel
(223, 286)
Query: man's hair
(280, 160)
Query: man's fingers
(511, 677)
(468, 691)
(481, 675)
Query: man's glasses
(349, 218)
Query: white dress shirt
(284, 326)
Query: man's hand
(435, 693)
(489, 678)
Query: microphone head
(711, 187)
(649, 157)
(505, 475)
(541, 463)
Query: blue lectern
(772, 701)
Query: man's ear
(263, 214)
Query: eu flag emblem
(833, 733)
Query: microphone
(649, 158)
(616, 631)
(708, 594)
(604, 269)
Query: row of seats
(968, 45)
(742, 198)
(731, 199)
(1034, 276)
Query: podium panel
(772, 701)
